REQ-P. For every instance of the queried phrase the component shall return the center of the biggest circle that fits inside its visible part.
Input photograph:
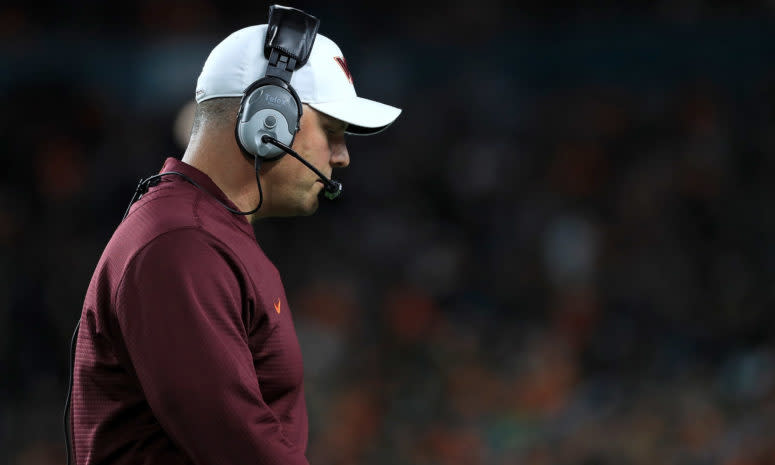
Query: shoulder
(184, 261)
(182, 247)
(162, 223)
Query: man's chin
(313, 207)
(308, 208)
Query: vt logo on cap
(343, 63)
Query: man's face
(290, 188)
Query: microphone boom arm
(333, 188)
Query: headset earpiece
(269, 107)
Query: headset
(270, 106)
(270, 109)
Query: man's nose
(340, 157)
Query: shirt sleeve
(179, 308)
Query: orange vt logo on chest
(277, 305)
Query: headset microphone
(333, 187)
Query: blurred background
(561, 252)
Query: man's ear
(304, 109)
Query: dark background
(560, 253)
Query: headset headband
(290, 35)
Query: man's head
(330, 110)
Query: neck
(219, 157)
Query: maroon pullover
(186, 352)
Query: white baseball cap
(324, 82)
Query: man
(186, 351)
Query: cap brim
(364, 117)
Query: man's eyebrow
(337, 123)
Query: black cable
(144, 184)
(73, 342)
